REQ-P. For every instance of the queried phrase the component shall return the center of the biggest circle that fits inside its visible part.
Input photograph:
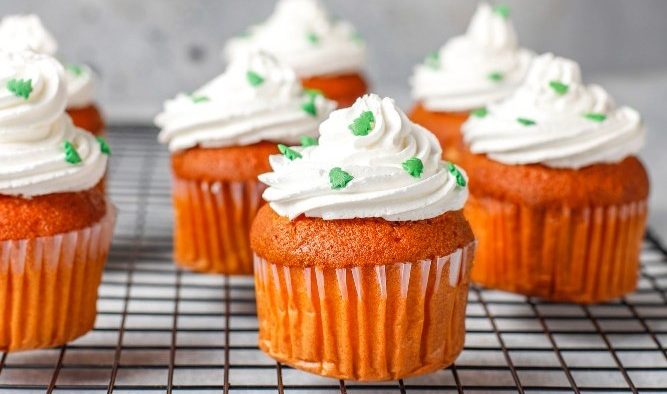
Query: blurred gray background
(148, 50)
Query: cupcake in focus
(470, 71)
(20, 32)
(220, 137)
(55, 223)
(362, 256)
(558, 196)
(326, 53)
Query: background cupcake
(55, 224)
(221, 137)
(363, 256)
(558, 198)
(19, 32)
(326, 53)
(467, 73)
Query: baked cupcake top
(472, 70)
(370, 161)
(555, 120)
(301, 34)
(21, 32)
(41, 152)
(256, 99)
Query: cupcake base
(48, 286)
(344, 89)
(88, 118)
(212, 224)
(582, 255)
(364, 323)
(446, 126)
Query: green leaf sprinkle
(20, 87)
(456, 173)
(356, 37)
(363, 124)
(432, 60)
(309, 108)
(526, 121)
(74, 69)
(595, 116)
(199, 99)
(480, 112)
(313, 92)
(414, 167)
(71, 155)
(496, 76)
(104, 145)
(288, 152)
(307, 141)
(254, 79)
(559, 87)
(502, 10)
(339, 178)
(313, 38)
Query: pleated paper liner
(368, 322)
(559, 254)
(212, 224)
(48, 286)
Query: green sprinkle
(433, 60)
(595, 116)
(496, 76)
(339, 178)
(502, 10)
(414, 167)
(74, 69)
(456, 173)
(559, 87)
(288, 152)
(356, 37)
(309, 108)
(244, 34)
(71, 155)
(313, 38)
(313, 92)
(199, 99)
(254, 79)
(363, 124)
(104, 145)
(20, 87)
(307, 141)
(526, 121)
(480, 112)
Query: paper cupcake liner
(559, 254)
(212, 224)
(48, 286)
(368, 322)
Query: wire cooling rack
(160, 329)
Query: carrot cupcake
(55, 223)
(19, 32)
(468, 72)
(326, 53)
(221, 137)
(558, 197)
(362, 256)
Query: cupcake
(467, 73)
(55, 223)
(362, 256)
(221, 137)
(326, 53)
(20, 32)
(558, 197)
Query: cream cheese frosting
(21, 32)
(256, 99)
(41, 152)
(371, 162)
(301, 34)
(555, 120)
(484, 65)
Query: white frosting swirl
(20, 32)
(302, 35)
(575, 125)
(470, 71)
(80, 86)
(380, 187)
(233, 111)
(34, 131)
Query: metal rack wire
(161, 330)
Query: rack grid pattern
(160, 329)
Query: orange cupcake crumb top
(344, 89)
(88, 118)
